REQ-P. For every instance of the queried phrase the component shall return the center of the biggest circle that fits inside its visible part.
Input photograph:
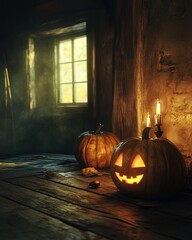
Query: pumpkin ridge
(116, 141)
(181, 160)
(79, 150)
(159, 163)
(96, 151)
(168, 161)
(102, 151)
(178, 162)
(112, 148)
(166, 158)
(106, 153)
(85, 151)
(145, 155)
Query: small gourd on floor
(148, 168)
(95, 148)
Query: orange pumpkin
(148, 168)
(95, 148)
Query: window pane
(80, 71)
(80, 48)
(66, 73)
(80, 92)
(66, 93)
(65, 51)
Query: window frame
(59, 38)
(44, 91)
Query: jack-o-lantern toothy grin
(137, 163)
(130, 180)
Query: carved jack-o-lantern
(148, 168)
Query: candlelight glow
(158, 108)
(130, 180)
(158, 113)
(148, 120)
(137, 163)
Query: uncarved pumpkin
(95, 148)
(148, 168)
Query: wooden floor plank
(47, 194)
(18, 222)
(151, 219)
(80, 217)
(107, 188)
(26, 165)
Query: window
(57, 69)
(71, 69)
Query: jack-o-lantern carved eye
(137, 162)
(119, 160)
(130, 178)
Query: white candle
(148, 120)
(158, 113)
(158, 108)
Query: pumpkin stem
(99, 128)
(145, 133)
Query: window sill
(65, 111)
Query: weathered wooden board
(152, 217)
(18, 221)
(79, 217)
(25, 165)
(47, 197)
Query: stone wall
(167, 69)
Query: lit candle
(158, 113)
(148, 120)
(158, 108)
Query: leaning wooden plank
(18, 222)
(151, 219)
(76, 216)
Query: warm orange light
(137, 162)
(158, 108)
(130, 180)
(148, 120)
(119, 160)
(158, 113)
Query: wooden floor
(46, 197)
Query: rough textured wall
(103, 53)
(167, 71)
(46, 128)
(124, 101)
